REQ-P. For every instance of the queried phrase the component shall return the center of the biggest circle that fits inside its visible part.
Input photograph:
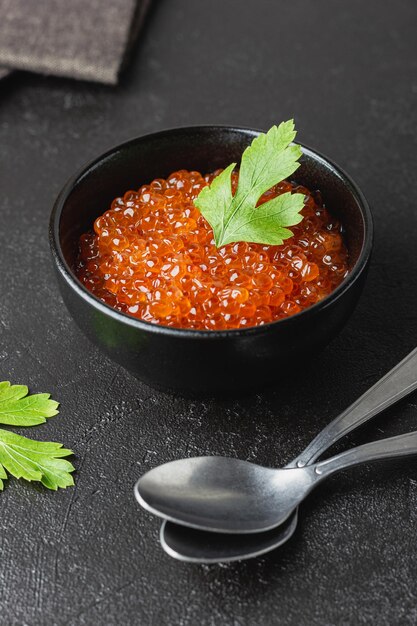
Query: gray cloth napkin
(86, 39)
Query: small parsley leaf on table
(19, 409)
(34, 460)
(269, 159)
(27, 458)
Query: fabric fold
(78, 39)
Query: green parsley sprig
(26, 458)
(269, 159)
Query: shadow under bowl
(192, 361)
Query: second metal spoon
(201, 546)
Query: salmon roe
(152, 256)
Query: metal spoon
(232, 496)
(198, 493)
(200, 546)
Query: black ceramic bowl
(193, 361)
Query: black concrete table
(89, 555)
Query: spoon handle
(401, 445)
(399, 382)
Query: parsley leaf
(19, 409)
(26, 458)
(34, 460)
(267, 161)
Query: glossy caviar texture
(152, 256)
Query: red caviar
(152, 256)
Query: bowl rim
(190, 333)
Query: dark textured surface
(89, 555)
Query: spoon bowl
(222, 494)
(199, 546)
